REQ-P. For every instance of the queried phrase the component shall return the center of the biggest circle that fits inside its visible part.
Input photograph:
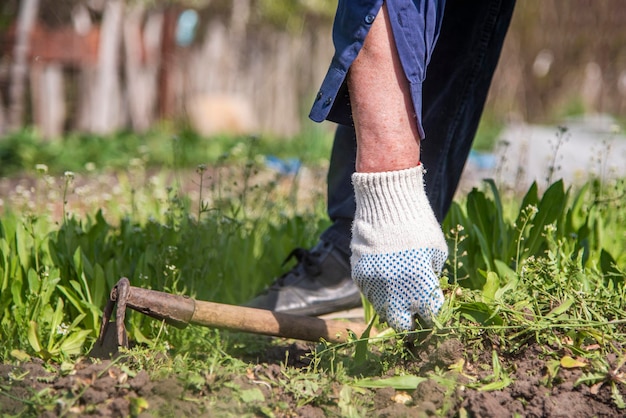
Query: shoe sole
(326, 308)
(354, 314)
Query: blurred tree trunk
(142, 45)
(48, 99)
(19, 70)
(168, 64)
(106, 103)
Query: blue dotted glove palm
(398, 248)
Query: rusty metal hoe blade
(113, 334)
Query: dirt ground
(102, 389)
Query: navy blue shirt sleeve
(415, 25)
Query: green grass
(21, 151)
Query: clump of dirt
(109, 389)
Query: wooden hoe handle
(182, 310)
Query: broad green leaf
(16, 291)
(252, 395)
(480, 213)
(72, 297)
(34, 282)
(510, 278)
(500, 378)
(5, 257)
(617, 397)
(407, 382)
(78, 261)
(552, 369)
(73, 344)
(590, 378)
(562, 308)
(502, 237)
(568, 362)
(53, 250)
(497, 366)
(138, 405)
(531, 198)
(492, 284)
(360, 351)
(497, 385)
(78, 288)
(550, 208)
(55, 323)
(576, 216)
(99, 291)
(20, 245)
(33, 339)
(480, 312)
(87, 267)
(485, 250)
(48, 287)
(20, 355)
(67, 367)
(76, 321)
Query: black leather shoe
(320, 283)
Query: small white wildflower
(90, 166)
(531, 210)
(550, 228)
(63, 329)
(41, 168)
(69, 175)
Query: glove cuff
(393, 213)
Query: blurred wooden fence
(121, 67)
(128, 71)
(562, 56)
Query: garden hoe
(181, 311)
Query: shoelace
(309, 260)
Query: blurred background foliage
(253, 66)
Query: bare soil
(101, 388)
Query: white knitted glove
(398, 248)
